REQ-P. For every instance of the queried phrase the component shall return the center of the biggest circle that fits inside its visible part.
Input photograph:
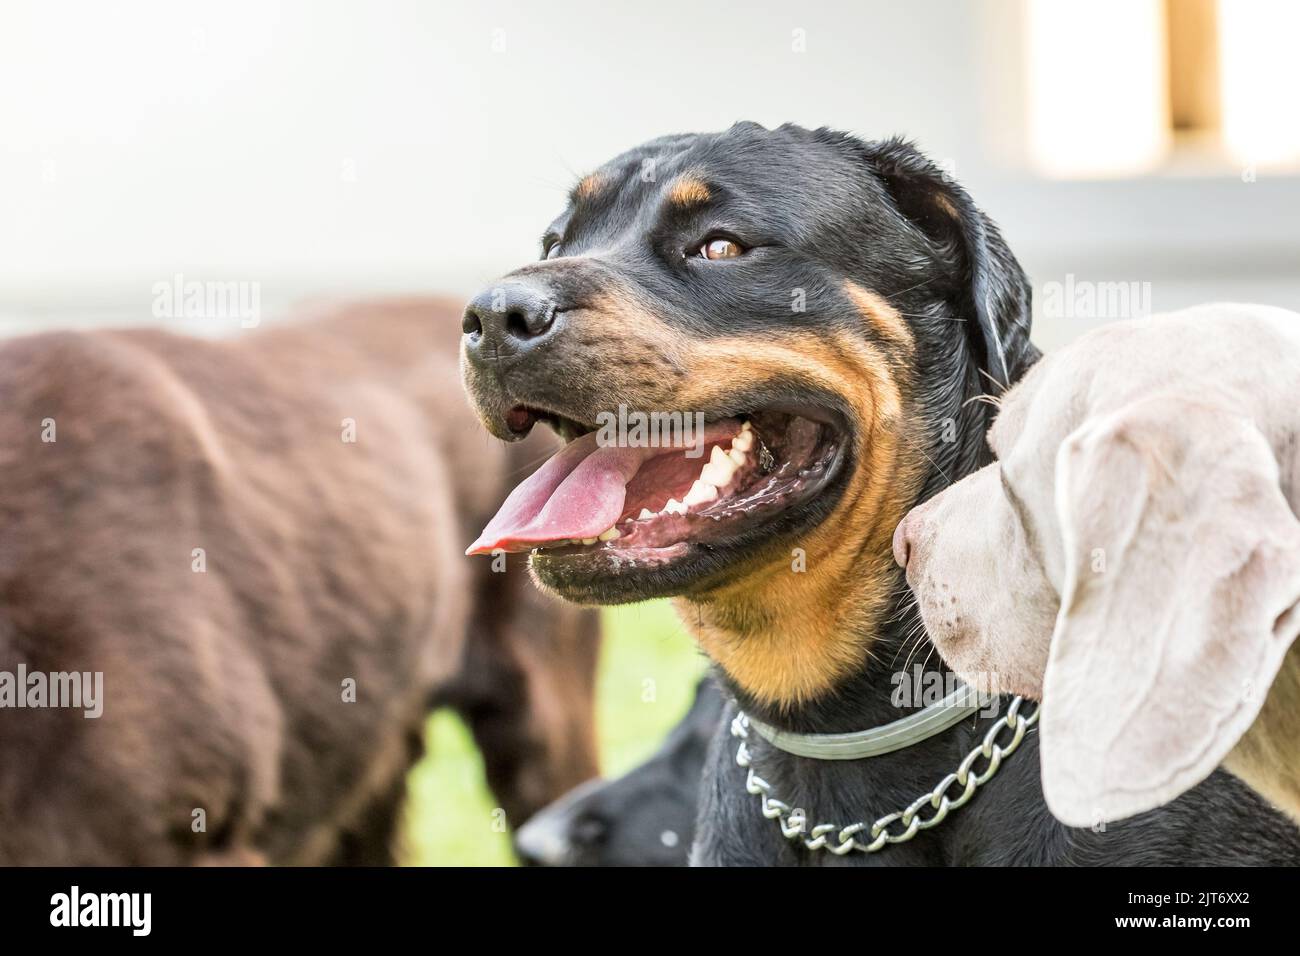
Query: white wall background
(333, 147)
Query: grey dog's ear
(995, 288)
(1178, 604)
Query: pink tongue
(578, 493)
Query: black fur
(1221, 822)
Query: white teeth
(700, 492)
(609, 534)
(718, 473)
(588, 540)
(720, 469)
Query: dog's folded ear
(997, 292)
(1179, 602)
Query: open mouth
(622, 506)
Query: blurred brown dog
(257, 543)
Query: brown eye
(720, 249)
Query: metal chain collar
(794, 823)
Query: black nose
(506, 320)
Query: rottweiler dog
(841, 315)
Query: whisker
(1000, 387)
(994, 400)
(909, 644)
(931, 317)
(926, 454)
(920, 636)
(529, 466)
(916, 646)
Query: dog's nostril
(517, 325)
(503, 321)
(902, 547)
(588, 832)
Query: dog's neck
(831, 657)
(790, 637)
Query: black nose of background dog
(506, 321)
(561, 835)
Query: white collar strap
(874, 741)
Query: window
(1120, 87)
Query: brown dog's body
(328, 475)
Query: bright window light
(1260, 79)
(1098, 103)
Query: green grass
(648, 670)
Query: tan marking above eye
(589, 185)
(688, 191)
(720, 249)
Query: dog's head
(1131, 559)
(645, 817)
(823, 305)
(984, 557)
